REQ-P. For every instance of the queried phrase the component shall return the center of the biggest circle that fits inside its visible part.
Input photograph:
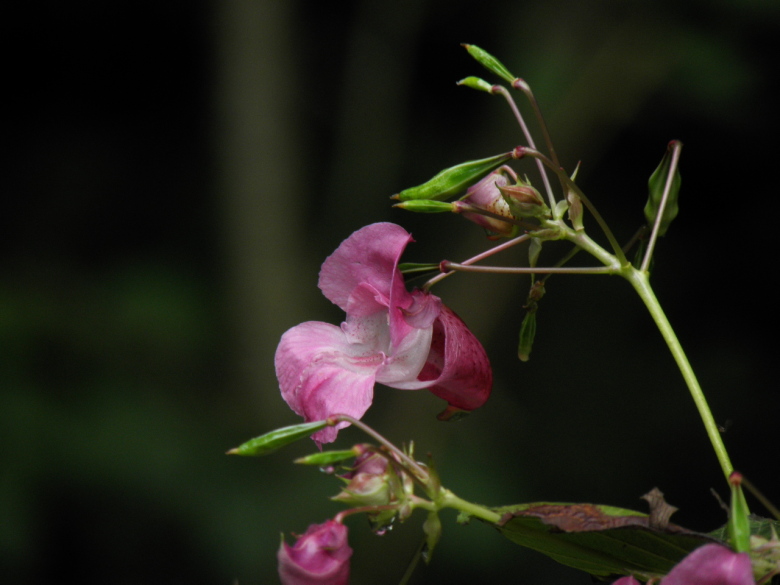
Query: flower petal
(320, 556)
(458, 369)
(712, 564)
(320, 374)
(369, 257)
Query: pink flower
(400, 339)
(711, 564)
(319, 557)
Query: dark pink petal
(320, 374)
(367, 257)
(457, 368)
(630, 580)
(319, 557)
(712, 564)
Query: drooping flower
(711, 564)
(405, 340)
(319, 557)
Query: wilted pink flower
(319, 557)
(711, 564)
(400, 339)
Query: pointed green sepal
(656, 185)
(425, 206)
(277, 439)
(739, 523)
(451, 181)
(476, 83)
(490, 63)
(327, 457)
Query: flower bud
(319, 557)
(368, 482)
(486, 194)
(374, 482)
(524, 200)
(656, 185)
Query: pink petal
(712, 564)
(320, 374)
(630, 580)
(368, 257)
(458, 369)
(320, 556)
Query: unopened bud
(486, 194)
(575, 210)
(524, 200)
(656, 185)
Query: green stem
(449, 500)
(640, 280)
(641, 283)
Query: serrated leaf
(601, 540)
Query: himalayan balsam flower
(711, 564)
(319, 557)
(400, 339)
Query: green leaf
(277, 439)
(451, 181)
(601, 540)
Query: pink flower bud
(486, 194)
(319, 557)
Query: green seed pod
(656, 186)
(476, 83)
(425, 206)
(490, 63)
(451, 181)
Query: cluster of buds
(375, 482)
(503, 195)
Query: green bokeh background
(174, 173)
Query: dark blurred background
(174, 173)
